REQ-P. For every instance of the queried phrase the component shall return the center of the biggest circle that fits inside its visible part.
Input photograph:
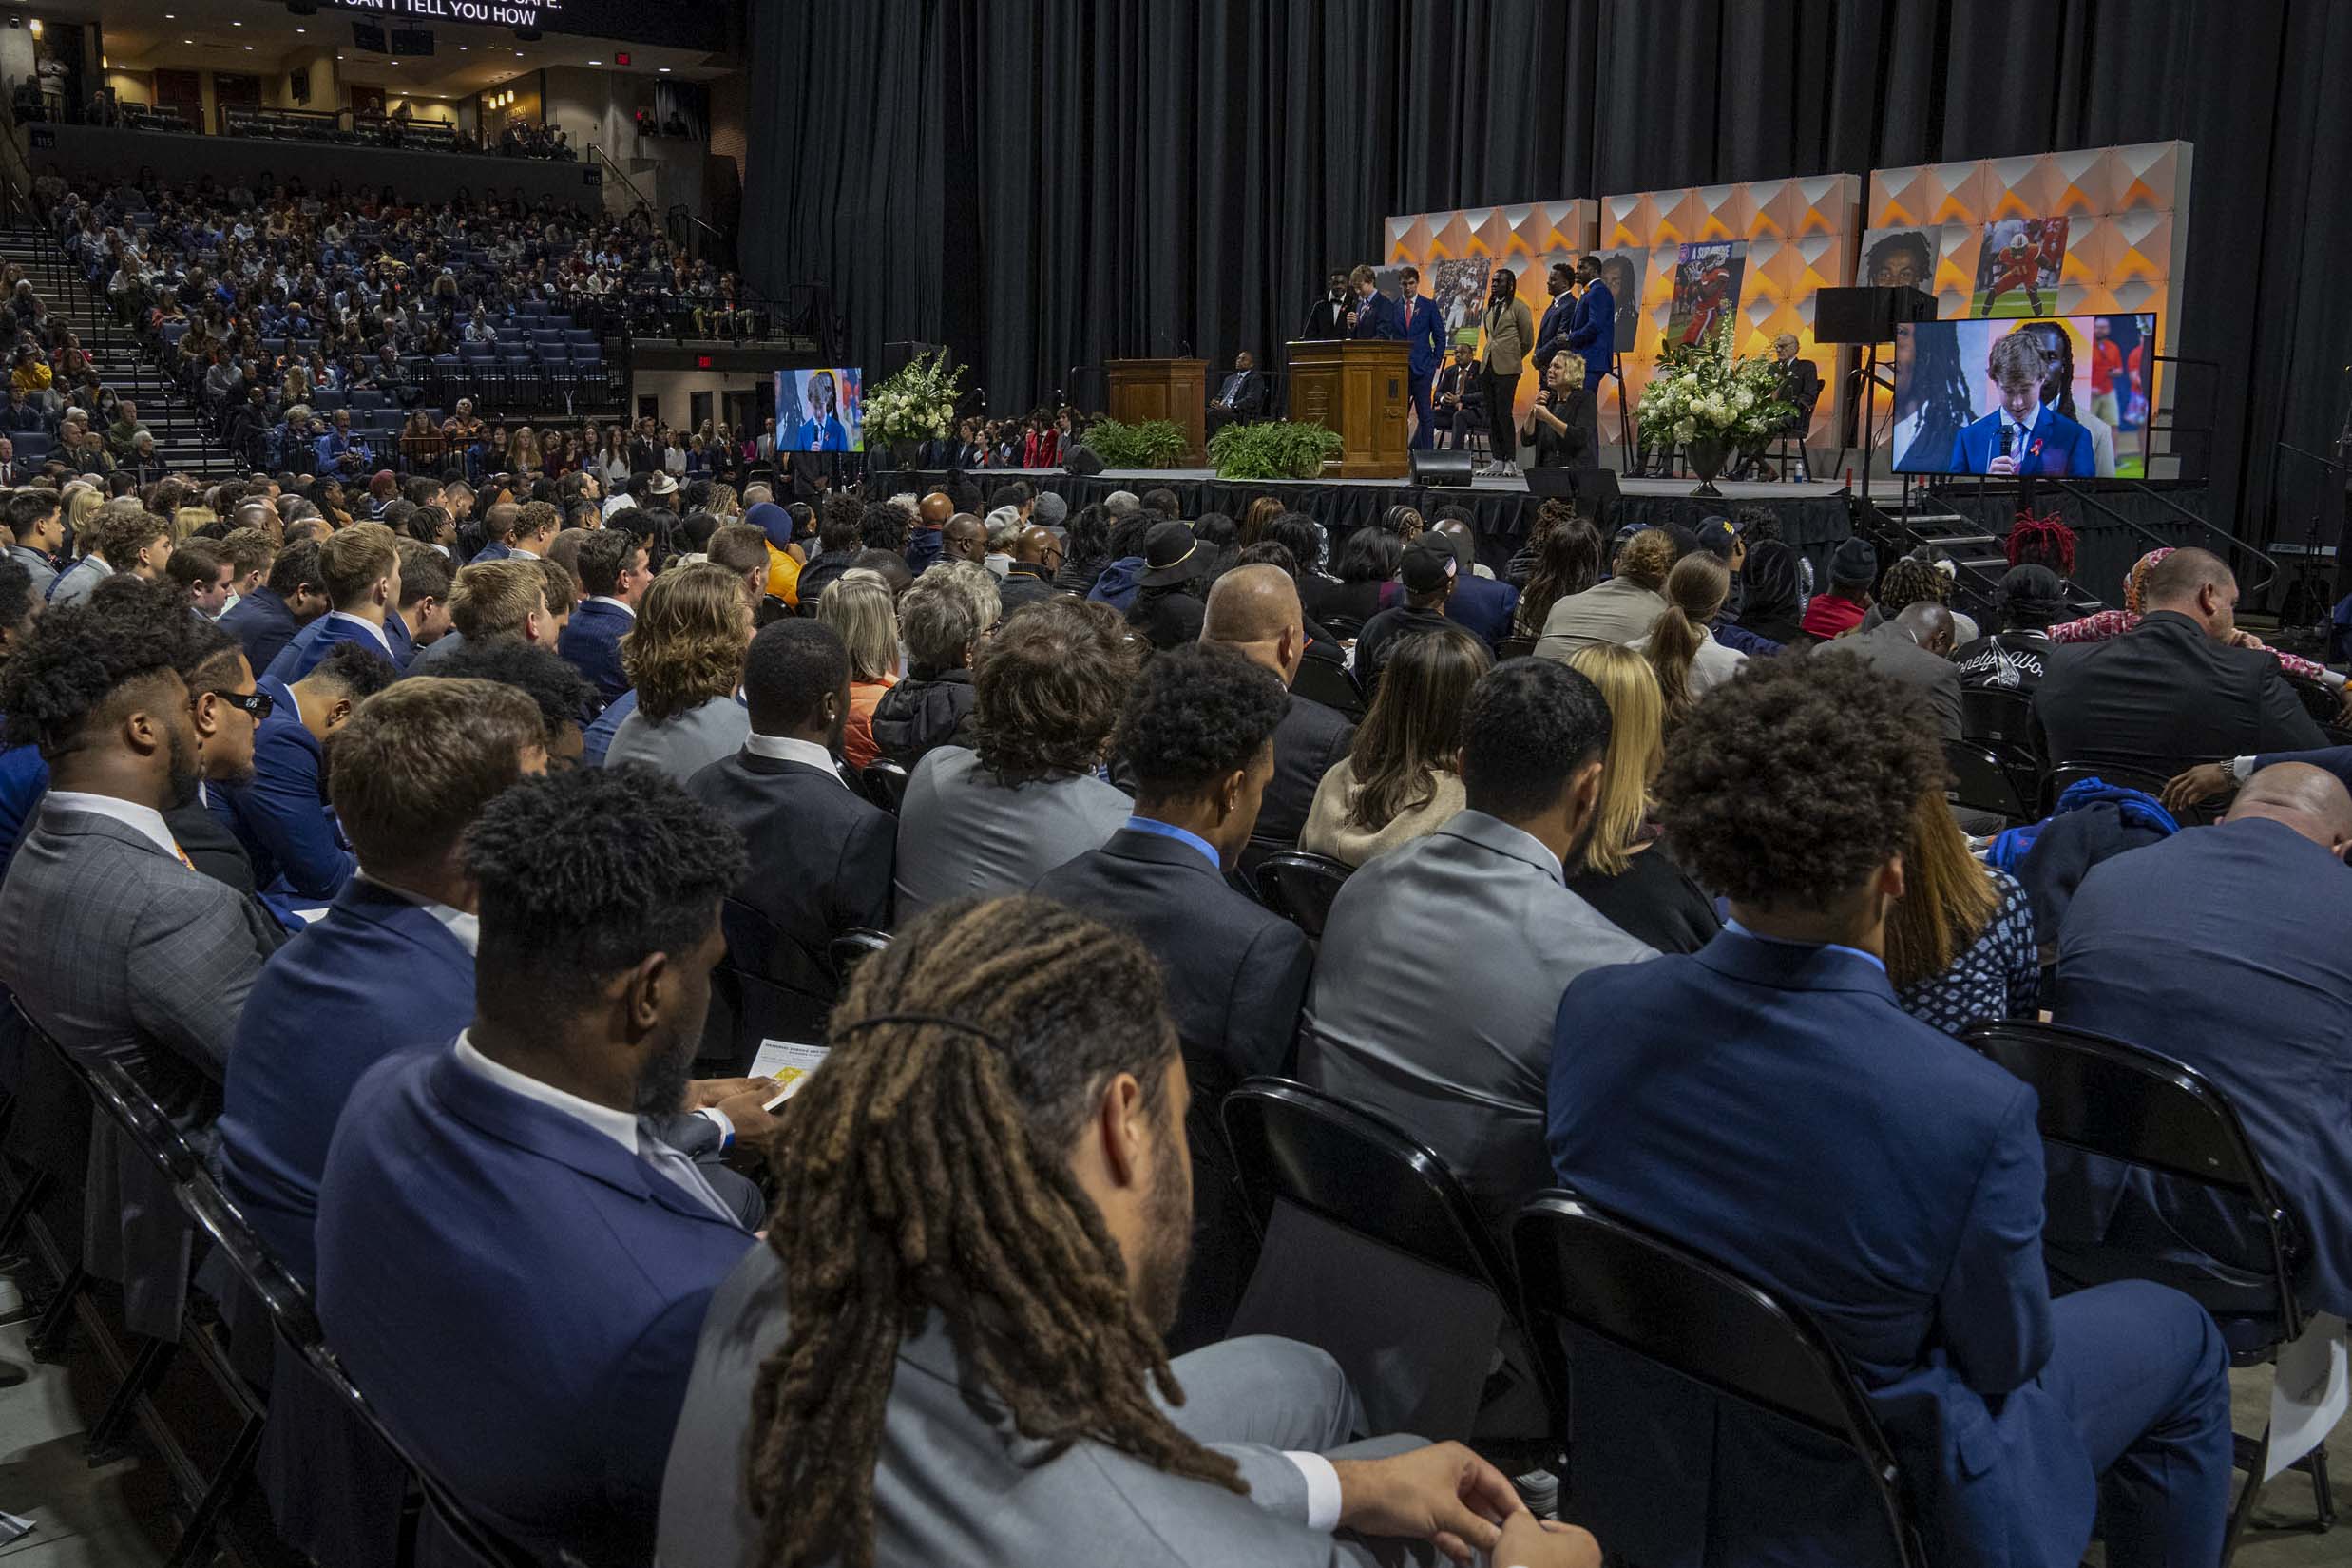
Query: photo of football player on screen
(1706, 281)
(2018, 266)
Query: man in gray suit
(1442, 964)
(997, 1137)
(1050, 683)
(1916, 649)
(112, 941)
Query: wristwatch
(2239, 768)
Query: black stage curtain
(1046, 183)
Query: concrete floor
(121, 1517)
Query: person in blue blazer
(360, 569)
(1765, 1102)
(1593, 326)
(513, 1261)
(267, 619)
(2041, 441)
(612, 570)
(1552, 329)
(2222, 948)
(280, 815)
(1424, 328)
(1373, 315)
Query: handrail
(2074, 488)
(597, 154)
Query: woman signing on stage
(1558, 429)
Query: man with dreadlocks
(985, 1204)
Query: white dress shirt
(465, 927)
(382, 637)
(146, 819)
(783, 748)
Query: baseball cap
(1428, 565)
(1718, 536)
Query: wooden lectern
(1173, 389)
(1361, 388)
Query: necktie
(681, 1171)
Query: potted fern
(1275, 448)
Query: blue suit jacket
(1482, 606)
(1592, 331)
(598, 737)
(2056, 446)
(312, 645)
(519, 1295)
(403, 642)
(2334, 759)
(590, 642)
(281, 817)
(1424, 328)
(378, 974)
(497, 549)
(1558, 315)
(1378, 317)
(1797, 1125)
(23, 779)
(262, 623)
(2224, 949)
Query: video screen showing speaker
(820, 411)
(2064, 396)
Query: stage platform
(1814, 517)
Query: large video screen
(2062, 396)
(820, 411)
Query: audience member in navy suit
(1198, 734)
(1552, 329)
(1766, 1102)
(423, 618)
(281, 817)
(392, 964)
(820, 854)
(1480, 605)
(2223, 948)
(497, 530)
(266, 620)
(360, 569)
(512, 1261)
(612, 568)
(1373, 313)
(24, 777)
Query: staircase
(182, 441)
(1978, 558)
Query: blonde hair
(866, 618)
(493, 598)
(1948, 898)
(688, 644)
(1637, 750)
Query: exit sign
(703, 361)
(621, 58)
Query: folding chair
(1301, 887)
(2118, 1101)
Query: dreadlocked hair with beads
(924, 1169)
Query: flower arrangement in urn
(1711, 402)
(915, 405)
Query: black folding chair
(1355, 1171)
(2105, 1098)
(884, 783)
(1301, 887)
(1979, 783)
(2067, 774)
(850, 948)
(1655, 1299)
(1327, 681)
(1514, 647)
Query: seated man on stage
(2023, 436)
(1558, 432)
(1797, 383)
(1461, 395)
(1243, 396)
(1372, 314)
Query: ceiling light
(595, 62)
(36, 27)
(301, 30)
(665, 70)
(248, 48)
(237, 24)
(461, 49)
(187, 40)
(518, 54)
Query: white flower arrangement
(1704, 392)
(917, 404)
